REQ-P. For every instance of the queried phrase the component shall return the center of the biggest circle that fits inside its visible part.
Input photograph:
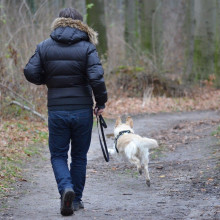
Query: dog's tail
(151, 143)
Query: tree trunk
(174, 37)
(204, 47)
(217, 46)
(190, 32)
(114, 19)
(96, 19)
(147, 9)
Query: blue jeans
(66, 126)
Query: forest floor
(184, 173)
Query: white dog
(132, 146)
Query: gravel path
(184, 176)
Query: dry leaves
(19, 133)
(184, 133)
(203, 99)
(16, 137)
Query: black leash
(101, 123)
(120, 133)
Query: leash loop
(100, 125)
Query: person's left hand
(98, 111)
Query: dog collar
(119, 135)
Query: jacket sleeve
(33, 71)
(95, 74)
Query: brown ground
(184, 176)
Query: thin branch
(16, 32)
(29, 109)
(15, 94)
(38, 10)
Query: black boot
(66, 207)
(78, 205)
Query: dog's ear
(129, 121)
(118, 121)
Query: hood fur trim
(64, 22)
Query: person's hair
(71, 13)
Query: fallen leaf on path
(109, 135)
(22, 180)
(93, 171)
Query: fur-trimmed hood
(78, 26)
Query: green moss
(205, 61)
(130, 69)
(198, 59)
(217, 62)
(31, 151)
(9, 172)
(216, 132)
(157, 152)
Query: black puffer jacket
(70, 67)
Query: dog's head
(119, 126)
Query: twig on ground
(29, 109)
(15, 94)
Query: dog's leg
(130, 152)
(147, 173)
(145, 161)
(136, 162)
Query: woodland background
(149, 48)
(158, 56)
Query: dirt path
(184, 176)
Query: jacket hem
(68, 107)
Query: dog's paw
(148, 182)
